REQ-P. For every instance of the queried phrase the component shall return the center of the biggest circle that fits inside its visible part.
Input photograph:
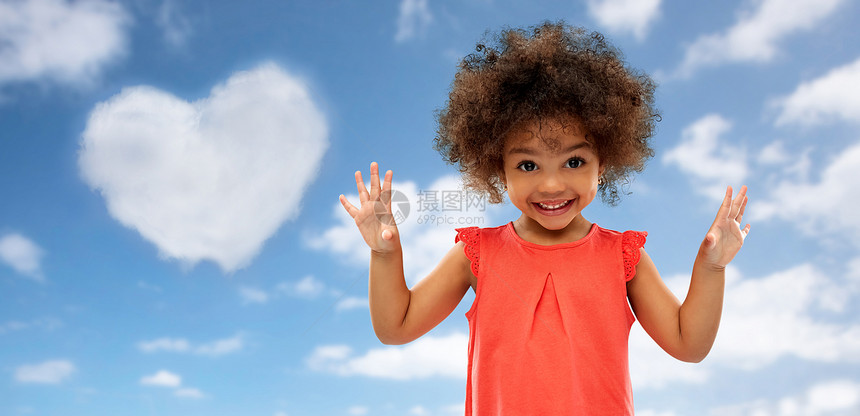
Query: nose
(551, 184)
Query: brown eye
(575, 162)
(527, 166)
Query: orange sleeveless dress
(549, 325)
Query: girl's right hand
(374, 218)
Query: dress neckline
(591, 232)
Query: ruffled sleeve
(631, 242)
(471, 236)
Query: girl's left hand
(725, 237)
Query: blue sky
(171, 241)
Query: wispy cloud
(352, 302)
(429, 356)
(253, 295)
(175, 27)
(189, 393)
(710, 162)
(181, 345)
(413, 20)
(60, 41)
(757, 33)
(828, 204)
(23, 255)
(205, 180)
(43, 323)
(798, 312)
(165, 378)
(625, 16)
(358, 410)
(832, 97)
(165, 344)
(307, 287)
(221, 347)
(162, 378)
(48, 372)
(830, 397)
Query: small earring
(600, 180)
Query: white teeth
(557, 206)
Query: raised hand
(373, 218)
(725, 237)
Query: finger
(386, 190)
(374, 180)
(362, 190)
(747, 230)
(723, 212)
(386, 186)
(738, 202)
(350, 209)
(740, 216)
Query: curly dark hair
(552, 70)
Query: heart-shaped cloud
(212, 179)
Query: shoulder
(469, 234)
(628, 237)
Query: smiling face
(551, 173)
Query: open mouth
(553, 206)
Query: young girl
(551, 117)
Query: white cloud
(652, 368)
(776, 316)
(48, 372)
(62, 41)
(358, 410)
(710, 162)
(773, 154)
(425, 234)
(413, 20)
(828, 206)
(757, 33)
(649, 412)
(352, 302)
(829, 98)
(828, 398)
(221, 346)
(189, 393)
(162, 378)
(253, 295)
(418, 411)
(428, 356)
(625, 16)
(205, 180)
(146, 286)
(455, 409)
(22, 255)
(307, 287)
(764, 319)
(175, 27)
(180, 345)
(165, 344)
(13, 326)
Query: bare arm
(400, 315)
(687, 331)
